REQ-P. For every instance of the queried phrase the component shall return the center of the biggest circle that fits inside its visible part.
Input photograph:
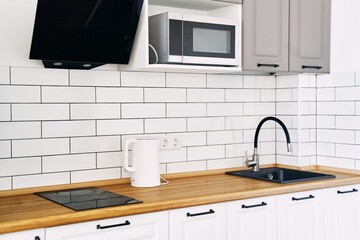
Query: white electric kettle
(145, 167)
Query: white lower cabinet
(252, 219)
(342, 213)
(301, 216)
(36, 234)
(200, 222)
(152, 226)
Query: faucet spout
(255, 166)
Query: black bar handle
(199, 214)
(126, 223)
(314, 67)
(350, 191)
(303, 198)
(37, 238)
(256, 205)
(268, 65)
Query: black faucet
(254, 163)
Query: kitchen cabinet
(286, 35)
(301, 216)
(252, 219)
(152, 226)
(200, 222)
(342, 213)
(36, 234)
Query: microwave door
(175, 41)
(209, 43)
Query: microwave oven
(176, 38)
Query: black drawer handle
(304, 198)
(199, 214)
(268, 65)
(37, 238)
(313, 67)
(254, 206)
(350, 191)
(126, 223)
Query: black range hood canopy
(83, 34)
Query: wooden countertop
(28, 211)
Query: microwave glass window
(211, 40)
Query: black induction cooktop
(87, 198)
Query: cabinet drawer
(36, 234)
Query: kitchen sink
(281, 175)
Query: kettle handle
(126, 156)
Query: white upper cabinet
(36, 234)
(152, 226)
(201, 222)
(252, 219)
(301, 216)
(342, 213)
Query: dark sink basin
(281, 175)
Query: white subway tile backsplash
(38, 180)
(5, 149)
(189, 139)
(5, 183)
(39, 76)
(336, 136)
(20, 166)
(165, 125)
(224, 81)
(287, 160)
(142, 79)
(38, 147)
(224, 109)
(206, 152)
(122, 126)
(326, 149)
(348, 122)
(119, 95)
(206, 95)
(242, 95)
(347, 151)
(336, 80)
(143, 110)
(31, 112)
(308, 121)
(225, 137)
(308, 94)
(94, 111)
(266, 134)
(68, 128)
(165, 95)
(259, 108)
(186, 167)
(20, 130)
(95, 144)
(110, 159)
(347, 94)
(225, 163)
(267, 148)
(287, 81)
(259, 82)
(325, 94)
(5, 112)
(267, 95)
(173, 156)
(185, 80)
(358, 108)
(95, 175)
(357, 75)
(19, 94)
(336, 108)
(206, 124)
(62, 163)
(284, 95)
(238, 150)
(287, 108)
(186, 109)
(336, 162)
(94, 78)
(4, 75)
(68, 94)
(357, 137)
(246, 122)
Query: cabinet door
(152, 226)
(252, 219)
(36, 234)
(342, 213)
(201, 222)
(310, 36)
(301, 216)
(265, 35)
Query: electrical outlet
(169, 143)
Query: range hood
(83, 34)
